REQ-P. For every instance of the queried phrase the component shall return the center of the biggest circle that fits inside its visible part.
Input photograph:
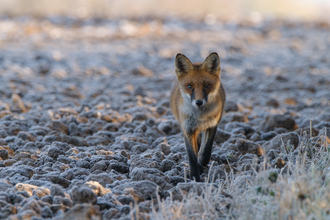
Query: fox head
(199, 82)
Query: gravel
(86, 129)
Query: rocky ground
(86, 131)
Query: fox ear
(182, 65)
(212, 64)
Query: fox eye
(189, 86)
(206, 85)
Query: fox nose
(199, 102)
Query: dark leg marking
(193, 160)
(207, 141)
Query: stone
(138, 149)
(144, 187)
(101, 178)
(31, 205)
(41, 192)
(165, 148)
(54, 152)
(245, 147)
(118, 166)
(113, 127)
(26, 136)
(25, 187)
(167, 165)
(280, 163)
(139, 117)
(239, 127)
(139, 161)
(74, 129)
(268, 135)
(46, 212)
(234, 116)
(56, 190)
(178, 148)
(17, 178)
(62, 200)
(4, 154)
(221, 136)
(9, 139)
(98, 140)
(97, 188)
(140, 91)
(255, 137)
(276, 143)
(173, 178)
(151, 174)
(142, 71)
(110, 213)
(24, 194)
(31, 148)
(50, 138)
(83, 195)
(290, 101)
(15, 198)
(9, 162)
(58, 209)
(105, 205)
(230, 106)
(125, 199)
(65, 160)
(22, 170)
(62, 146)
(48, 199)
(59, 180)
(272, 103)
(4, 185)
(74, 140)
(278, 121)
(281, 130)
(22, 155)
(169, 127)
(82, 212)
(161, 110)
(3, 133)
(2, 142)
(100, 166)
(112, 198)
(58, 125)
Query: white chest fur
(200, 119)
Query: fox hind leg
(206, 146)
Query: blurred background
(269, 50)
(98, 73)
(197, 9)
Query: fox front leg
(206, 145)
(192, 151)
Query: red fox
(197, 102)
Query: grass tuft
(299, 190)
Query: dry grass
(300, 190)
